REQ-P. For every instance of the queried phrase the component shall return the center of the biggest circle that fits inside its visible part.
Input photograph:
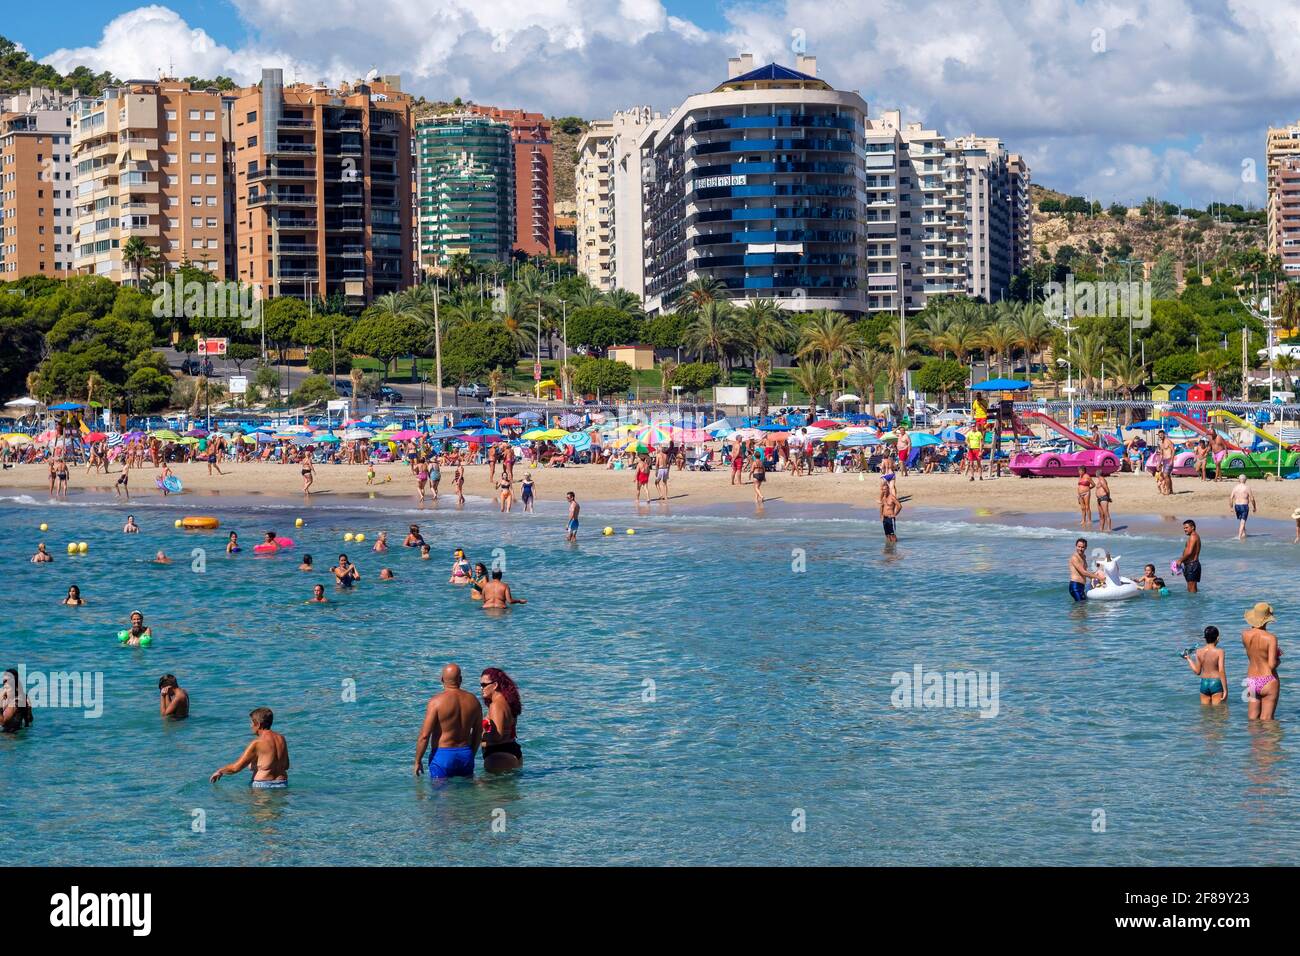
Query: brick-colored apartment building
(1283, 158)
(534, 177)
(322, 187)
(35, 184)
(149, 163)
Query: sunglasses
(488, 684)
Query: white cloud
(1135, 96)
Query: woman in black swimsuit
(500, 748)
(345, 573)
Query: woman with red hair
(500, 749)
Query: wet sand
(1135, 496)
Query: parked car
(195, 366)
(473, 390)
(344, 387)
(388, 394)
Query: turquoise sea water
(768, 735)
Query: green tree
(314, 389)
(475, 347)
(386, 331)
(1175, 369)
(696, 377)
(602, 377)
(602, 326)
(941, 376)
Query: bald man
(454, 719)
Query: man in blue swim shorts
(454, 721)
(1079, 573)
(571, 531)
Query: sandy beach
(1134, 495)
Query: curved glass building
(759, 185)
(466, 188)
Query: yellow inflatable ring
(202, 522)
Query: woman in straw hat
(1262, 655)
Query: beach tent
(23, 403)
(922, 439)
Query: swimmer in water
(424, 553)
(345, 572)
(413, 537)
(453, 723)
(137, 630)
(459, 568)
(42, 556)
(1243, 503)
(161, 558)
(476, 583)
(1208, 664)
(269, 539)
(571, 533)
(173, 702)
(1080, 576)
(1190, 562)
(267, 755)
(507, 497)
(318, 595)
(232, 544)
(386, 574)
(496, 593)
(15, 708)
(130, 527)
(1262, 657)
(500, 747)
(306, 563)
(381, 543)
(1148, 580)
(74, 598)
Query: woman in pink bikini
(1262, 655)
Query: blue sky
(1170, 98)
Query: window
(212, 200)
(194, 114)
(196, 200)
(171, 115)
(212, 243)
(195, 136)
(209, 114)
(252, 117)
(210, 179)
(173, 223)
(171, 136)
(196, 179)
(172, 157)
(196, 158)
(209, 157)
(212, 222)
(210, 137)
(196, 243)
(196, 222)
(252, 141)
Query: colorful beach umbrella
(16, 438)
(923, 439)
(357, 434)
(165, 434)
(535, 434)
(578, 441)
(654, 435)
(510, 421)
(406, 434)
(92, 437)
(838, 435)
(634, 446)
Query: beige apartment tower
(1283, 158)
(322, 188)
(149, 164)
(36, 185)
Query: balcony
(292, 149)
(277, 173)
(300, 123)
(293, 272)
(278, 199)
(296, 224)
(296, 248)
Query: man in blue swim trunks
(571, 531)
(454, 720)
(1079, 573)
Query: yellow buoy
(83, 547)
(177, 523)
(44, 526)
(72, 547)
(347, 536)
(631, 530)
(608, 531)
(297, 523)
(361, 537)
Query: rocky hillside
(1193, 236)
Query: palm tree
(1033, 330)
(830, 337)
(813, 378)
(1088, 352)
(762, 371)
(1286, 365)
(760, 327)
(897, 363)
(1129, 374)
(137, 252)
(712, 331)
(999, 339)
(459, 270)
(666, 369)
(626, 302)
(496, 380)
(696, 293)
(864, 373)
(1212, 363)
(393, 305)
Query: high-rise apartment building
(1283, 159)
(607, 184)
(777, 185)
(36, 184)
(148, 158)
(1022, 215)
(322, 182)
(534, 177)
(467, 188)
